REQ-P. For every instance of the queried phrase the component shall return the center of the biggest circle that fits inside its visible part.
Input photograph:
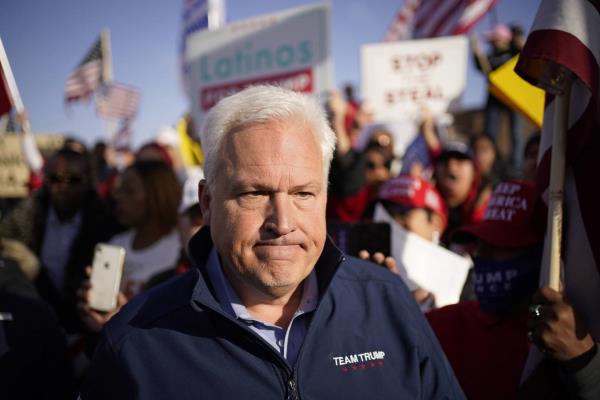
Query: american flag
(5, 102)
(195, 18)
(419, 19)
(121, 139)
(198, 15)
(117, 101)
(87, 75)
(566, 35)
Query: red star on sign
(363, 366)
(345, 369)
(380, 363)
(354, 367)
(372, 364)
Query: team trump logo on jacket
(360, 361)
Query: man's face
(377, 168)
(67, 185)
(454, 179)
(266, 210)
(485, 155)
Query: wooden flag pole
(557, 184)
(107, 72)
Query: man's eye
(253, 194)
(304, 195)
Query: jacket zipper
(292, 385)
(287, 377)
(291, 389)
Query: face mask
(500, 285)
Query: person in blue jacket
(272, 309)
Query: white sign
(399, 79)
(289, 49)
(426, 264)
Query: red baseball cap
(413, 192)
(509, 220)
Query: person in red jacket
(486, 340)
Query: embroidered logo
(359, 362)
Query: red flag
(566, 35)
(5, 101)
(419, 19)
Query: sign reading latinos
(289, 49)
(399, 79)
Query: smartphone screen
(107, 270)
(353, 237)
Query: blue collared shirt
(286, 342)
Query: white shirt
(142, 264)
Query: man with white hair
(272, 308)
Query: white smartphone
(107, 269)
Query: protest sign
(399, 79)
(426, 264)
(14, 173)
(289, 49)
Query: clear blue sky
(45, 40)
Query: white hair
(259, 105)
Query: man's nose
(280, 219)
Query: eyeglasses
(72, 180)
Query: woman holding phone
(147, 195)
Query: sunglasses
(72, 180)
(371, 165)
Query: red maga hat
(508, 221)
(413, 192)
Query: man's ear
(204, 199)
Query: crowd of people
(462, 196)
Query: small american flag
(419, 19)
(117, 101)
(121, 140)
(87, 75)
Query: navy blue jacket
(367, 340)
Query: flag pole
(216, 14)
(557, 184)
(107, 72)
(107, 76)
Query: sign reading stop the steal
(399, 79)
(289, 49)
